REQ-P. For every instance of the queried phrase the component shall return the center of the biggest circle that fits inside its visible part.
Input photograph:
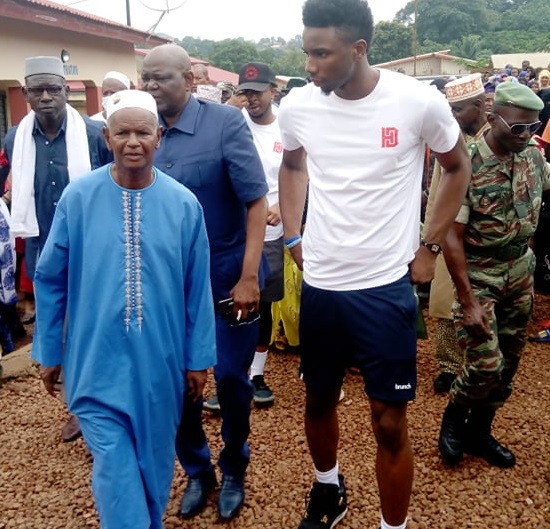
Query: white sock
(386, 525)
(330, 477)
(258, 364)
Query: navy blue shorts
(373, 329)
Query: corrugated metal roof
(45, 6)
(77, 12)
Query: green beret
(518, 95)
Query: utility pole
(415, 36)
(128, 20)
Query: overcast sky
(218, 19)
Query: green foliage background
(473, 29)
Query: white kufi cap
(464, 88)
(131, 99)
(119, 77)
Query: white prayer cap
(44, 65)
(464, 88)
(131, 99)
(119, 77)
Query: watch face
(432, 246)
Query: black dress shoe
(231, 497)
(443, 382)
(195, 495)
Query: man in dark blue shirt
(48, 130)
(207, 147)
(47, 93)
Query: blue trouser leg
(236, 347)
(191, 445)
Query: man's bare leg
(394, 459)
(322, 431)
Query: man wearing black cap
(258, 85)
(52, 145)
(488, 255)
(257, 82)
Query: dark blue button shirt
(211, 151)
(51, 174)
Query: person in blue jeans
(208, 147)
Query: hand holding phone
(225, 309)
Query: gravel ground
(45, 483)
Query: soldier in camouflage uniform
(467, 99)
(488, 255)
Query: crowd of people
(178, 214)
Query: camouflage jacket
(504, 197)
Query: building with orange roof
(89, 45)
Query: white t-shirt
(267, 139)
(365, 161)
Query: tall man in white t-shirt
(360, 134)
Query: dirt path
(45, 483)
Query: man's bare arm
(246, 293)
(475, 319)
(293, 180)
(455, 177)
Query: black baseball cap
(256, 76)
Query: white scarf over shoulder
(23, 166)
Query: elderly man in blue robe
(124, 305)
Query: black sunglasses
(53, 90)
(519, 128)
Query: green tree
(515, 42)
(533, 16)
(445, 21)
(292, 63)
(392, 40)
(233, 54)
(198, 48)
(468, 47)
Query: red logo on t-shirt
(277, 147)
(390, 137)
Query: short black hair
(352, 17)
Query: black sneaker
(261, 393)
(326, 505)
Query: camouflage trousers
(505, 290)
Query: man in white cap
(52, 145)
(467, 99)
(113, 82)
(126, 265)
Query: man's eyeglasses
(519, 128)
(53, 90)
